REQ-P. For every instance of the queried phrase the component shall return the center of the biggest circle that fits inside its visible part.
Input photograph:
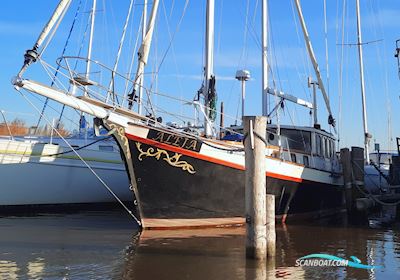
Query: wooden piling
(345, 159)
(255, 188)
(357, 163)
(394, 171)
(358, 215)
(271, 234)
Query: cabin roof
(293, 127)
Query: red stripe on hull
(207, 158)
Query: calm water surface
(106, 245)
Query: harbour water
(106, 245)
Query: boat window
(107, 148)
(298, 139)
(318, 144)
(306, 161)
(293, 157)
(321, 146)
(326, 147)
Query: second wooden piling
(255, 187)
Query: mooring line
(87, 165)
(368, 193)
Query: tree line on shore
(18, 127)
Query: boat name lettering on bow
(174, 140)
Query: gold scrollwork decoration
(121, 133)
(171, 160)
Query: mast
(143, 53)
(88, 61)
(360, 57)
(264, 30)
(89, 55)
(314, 62)
(209, 78)
(121, 43)
(397, 55)
(141, 81)
(32, 55)
(314, 85)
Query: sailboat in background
(376, 168)
(179, 172)
(45, 173)
(54, 175)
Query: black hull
(214, 190)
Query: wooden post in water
(271, 234)
(255, 187)
(357, 162)
(345, 159)
(359, 214)
(394, 171)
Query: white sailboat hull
(29, 177)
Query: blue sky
(236, 47)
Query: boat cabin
(307, 146)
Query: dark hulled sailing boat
(177, 173)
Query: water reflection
(8, 270)
(106, 245)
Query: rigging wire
(341, 74)
(305, 62)
(247, 29)
(219, 28)
(244, 44)
(133, 58)
(58, 67)
(379, 29)
(326, 51)
(173, 35)
(54, 109)
(170, 46)
(100, 97)
(171, 38)
(172, 8)
(84, 162)
(274, 79)
(121, 43)
(241, 59)
(244, 54)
